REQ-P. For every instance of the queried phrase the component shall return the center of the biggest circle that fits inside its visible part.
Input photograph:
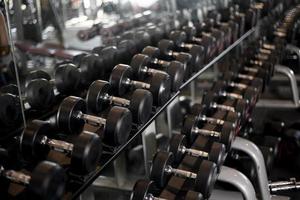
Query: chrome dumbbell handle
(180, 172)
(90, 119)
(14, 176)
(58, 145)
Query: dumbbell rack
(77, 189)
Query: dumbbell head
(10, 109)
(175, 68)
(118, 125)
(91, 67)
(39, 94)
(138, 63)
(142, 189)
(160, 87)
(68, 110)
(37, 74)
(109, 55)
(205, 177)
(141, 102)
(67, 78)
(190, 32)
(96, 96)
(48, 181)
(118, 78)
(86, 153)
(126, 49)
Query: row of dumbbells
(88, 67)
(85, 149)
(221, 116)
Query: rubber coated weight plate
(227, 135)
(197, 53)
(165, 46)
(141, 189)
(206, 178)
(10, 110)
(86, 153)
(39, 94)
(118, 125)
(89, 70)
(48, 180)
(68, 110)
(10, 88)
(30, 140)
(37, 74)
(141, 103)
(217, 154)
(176, 142)
(160, 88)
(176, 72)
(67, 78)
(152, 52)
(118, 79)
(138, 62)
(96, 96)
(160, 161)
(178, 37)
(188, 125)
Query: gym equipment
(159, 84)
(98, 98)
(71, 118)
(47, 180)
(178, 148)
(191, 128)
(142, 67)
(85, 151)
(162, 170)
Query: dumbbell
(192, 128)
(98, 98)
(66, 78)
(147, 190)
(39, 94)
(109, 56)
(142, 65)
(239, 106)
(10, 109)
(47, 180)
(206, 113)
(166, 48)
(179, 38)
(178, 148)
(159, 84)
(126, 50)
(141, 38)
(84, 152)
(247, 78)
(248, 93)
(205, 41)
(91, 67)
(162, 170)
(71, 118)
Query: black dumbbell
(147, 190)
(142, 65)
(191, 129)
(178, 148)
(206, 114)
(206, 41)
(85, 151)
(126, 50)
(99, 98)
(109, 56)
(10, 109)
(212, 100)
(246, 79)
(159, 84)
(162, 170)
(166, 48)
(47, 180)
(141, 38)
(249, 94)
(91, 67)
(71, 118)
(179, 38)
(66, 78)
